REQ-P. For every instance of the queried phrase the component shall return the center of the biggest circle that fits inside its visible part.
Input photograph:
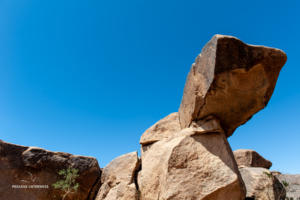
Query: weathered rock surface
(33, 167)
(250, 158)
(292, 185)
(118, 179)
(261, 184)
(196, 165)
(231, 81)
(169, 127)
(164, 128)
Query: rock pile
(291, 183)
(260, 183)
(184, 156)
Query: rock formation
(164, 128)
(261, 184)
(118, 179)
(28, 173)
(185, 156)
(250, 158)
(292, 185)
(230, 80)
(195, 164)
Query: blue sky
(89, 77)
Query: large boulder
(231, 81)
(194, 164)
(261, 184)
(29, 173)
(118, 179)
(291, 183)
(250, 158)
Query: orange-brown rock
(169, 127)
(231, 81)
(164, 128)
(28, 173)
(192, 164)
(118, 179)
(250, 158)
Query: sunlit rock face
(118, 179)
(196, 163)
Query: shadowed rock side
(193, 164)
(118, 179)
(32, 166)
(231, 81)
(250, 158)
(261, 184)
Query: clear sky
(89, 77)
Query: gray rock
(261, 184)
(292, 185)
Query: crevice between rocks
(95, 188)
(135, 177)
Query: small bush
(68, 183)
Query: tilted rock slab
(194, 164)
(169, 127)
(250, 158)
(261, 184)
(164, 128)
(23, 169)
(231, 81)
(118, 179)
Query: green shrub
(68, 183)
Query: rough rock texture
(261, 184)
(250, 158)
(30, 167)
(192, 165)
(292, 185)
(164, 128)
(169, 127)
(118, 179)
(230, 80)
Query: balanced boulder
(250, 158)
(29, 173)
(118, 179)
(231, 81)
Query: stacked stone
(186, 155)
